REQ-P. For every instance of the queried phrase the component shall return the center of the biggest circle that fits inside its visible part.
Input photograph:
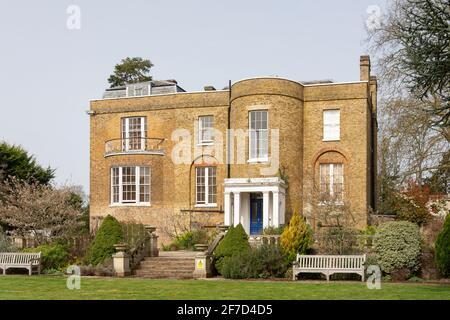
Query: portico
(256, 203)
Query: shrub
(338, 240)
(234, 242)
(296, 238)
(109, 234)
(188, 239)
(273, 230)
(265, 261)
(5, 243)
(54, 257)
(411, 204)
(397, 247)
(442, 249)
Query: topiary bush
(397, 247)
(234, 242)
(442, 249)
(102, 247)
(265, 261)
(296, 238)
(53, 256)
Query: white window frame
(202, 142)
(137, 202)
(125, 122)
(206, 189)
(331, 177)
(331, 131)
(258, 158)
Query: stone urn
(150, 229)
(121, 247)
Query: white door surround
(237, 201)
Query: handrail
(137, 254)
(216, 242)
(134, 145)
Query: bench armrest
(35, 260)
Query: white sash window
(331, 125)
(130, 185)
(134, 132)
(206, 186)
(332, 181)
(205, 129)
(258, 135)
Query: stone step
(165, 274)
(156, 264)
(168, 265)
(169, 259)
(166, 269)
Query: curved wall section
(283, 101)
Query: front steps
(169, 265)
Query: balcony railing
(136, 145)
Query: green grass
(54, 287)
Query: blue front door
(256, 209)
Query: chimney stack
(364, 68)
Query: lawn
(54, 287)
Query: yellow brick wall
(294, 109)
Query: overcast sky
(49, 72)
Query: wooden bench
(329, 265)
(22, 260)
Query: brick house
(252, 153)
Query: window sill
(141, 204)
(331, 140)
(258, 160)
(202, 144)
(213, 205)
(337, 203)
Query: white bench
(329, 265)
(22, 260)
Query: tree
(41, 210)
(410, 149)
(439, 181)
(442, 246)
(296, 238)
(130, 70)
(413, 42)
(16, 162)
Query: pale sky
(49, 73)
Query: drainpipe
(229, 136)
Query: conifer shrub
(102, 247)
(296, 238)
(442, 249)
(397, 246)
(235, 241)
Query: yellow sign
(200, 265)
